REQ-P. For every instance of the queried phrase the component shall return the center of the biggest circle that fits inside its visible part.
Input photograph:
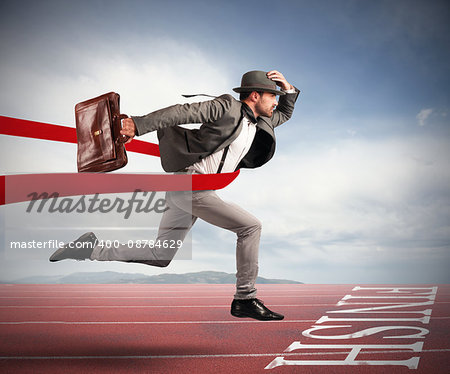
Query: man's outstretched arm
(202, 112)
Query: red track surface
(188, 329)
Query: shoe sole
(243, 315)
(54, 256)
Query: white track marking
(232, 355)
(143, 322)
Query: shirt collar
(248, 112)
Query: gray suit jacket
(220, 118)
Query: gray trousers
(183, 210)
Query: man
(234, 134)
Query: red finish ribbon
(16, 188)
(46, 131)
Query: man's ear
(254, 96)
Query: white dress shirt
(238, 149)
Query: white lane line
(221, 292)
(143, 322)
(232, 355)
(146, 291)
(161, 287)
(157, 307)
(181, 297)
(147, 297)
(142, 306)
(153, 322)
(149, 322)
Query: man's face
(266, 103)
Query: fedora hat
(257, 80)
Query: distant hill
(111, 277)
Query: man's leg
(183, 210)
(174, 226)
(209, 207)
(212, 209)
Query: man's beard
(265, 112)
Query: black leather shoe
(80, 249)
(253, 308)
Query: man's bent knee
(252, 228)
(257, 225)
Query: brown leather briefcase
(100, 145)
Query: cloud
(148, 74)
(353, 203)
(423, 115)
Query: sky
(358, 190)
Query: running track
(188, 329)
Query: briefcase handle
(121, 138)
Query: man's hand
(128, 129)
(279, 79)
